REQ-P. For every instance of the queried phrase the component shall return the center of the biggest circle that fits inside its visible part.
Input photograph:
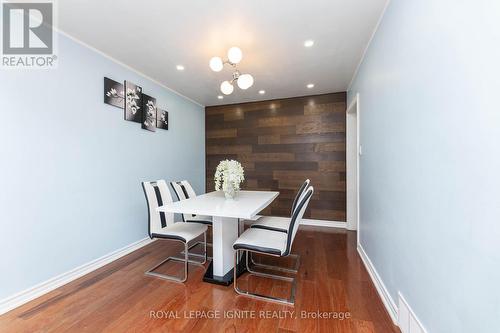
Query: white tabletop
(245, 205)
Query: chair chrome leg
(196, 254)
(205, 241)
(187, 254)
(278, 268)
(290, 301)
(185, 260)
(196, 244)
(272, 276)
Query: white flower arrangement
(228, 177)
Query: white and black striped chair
(280, 224)
(183, 190)
(277, 223)
(271, 243)
(161, 225)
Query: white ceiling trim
(107, 56)
(368, 44)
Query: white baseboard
(40, 289)
(324, 223)
(389, 303)
(316, 223)
(407, 319)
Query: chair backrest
(157, 194)
(302, 189)
(297, 214)
(183, 190)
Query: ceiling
(153, 37)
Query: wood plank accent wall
(282, 142)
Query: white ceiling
(154, 36)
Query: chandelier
(234, 56)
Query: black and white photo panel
(133, 102)
(148, 113)
(162, 119)
(113, 93)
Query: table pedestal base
(227, 279)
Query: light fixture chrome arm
(244, 81)
(228, 62)
(236, 75)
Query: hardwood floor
(120, 298)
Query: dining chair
(162, 225)
(183, 190)
(281, 224)
(277, 223)
(271, 243)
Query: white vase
(229, 193)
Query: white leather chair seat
(274, 223)
(205, 219)
(182, 231)
(261, 240)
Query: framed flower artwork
(113, 93)
(161, 119)
(148, 113)
(133, 102)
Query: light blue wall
(71, 167)
(430, 170)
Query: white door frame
(352, 124)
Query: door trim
(353, 108)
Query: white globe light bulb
(234, 55)
(216, 64)
(226, 87)
(245, 81)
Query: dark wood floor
(119, 298)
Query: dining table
(226, 216)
